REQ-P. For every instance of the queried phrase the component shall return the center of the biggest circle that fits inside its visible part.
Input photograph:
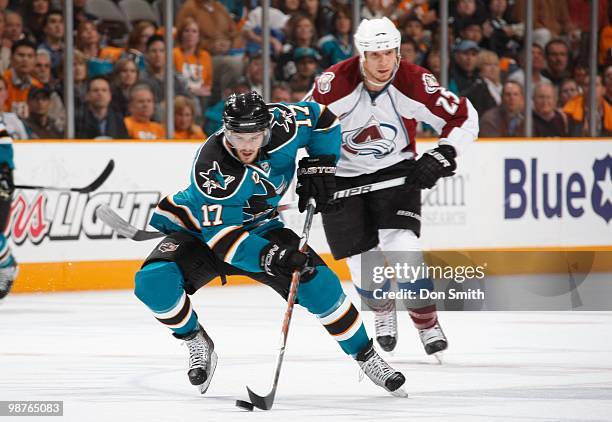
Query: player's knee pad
(320, 293)
(159, 285)
(194, 259)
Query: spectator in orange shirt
(192, 61)
(18, 77)
(184, 125)
(141, 107)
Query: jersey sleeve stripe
(327, 119)
(229, 256)
(180, 213)
(217, 237)
(222, 248)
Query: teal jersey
(6, 147)
(231, 205)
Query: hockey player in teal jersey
(8, 265)
(226, 223)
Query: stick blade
(99, 181)
(263, 403)
(122, 227)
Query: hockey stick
(87, 189)
(122, 227)
(266, 402)
(125, 229)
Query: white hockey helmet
(376, 35)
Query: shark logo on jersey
(284, 119)
(214, 179)
(257, 205)
(375, 138)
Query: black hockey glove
(7, 187)
(282, 260)
(316, 178)
(434, 164)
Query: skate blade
(439, 356)
(400, 392)
(213, 365)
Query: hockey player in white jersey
(380, 99)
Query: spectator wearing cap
(538, 65)
(507, 119)
(98, 119)
(485, 93)
(39, 124)
(14, 125)
(154, 75)
(464, 72)
(19, 77)
(557, 61)
(338, 45)
(53, 40)
(547, 120)
(307, 63)
(141, 106)
(42, 72)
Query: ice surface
(109, 360)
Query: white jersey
(380, 132)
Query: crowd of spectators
(119, 66)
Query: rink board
(507, 195)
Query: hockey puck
(244, 405)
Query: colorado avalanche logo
(601, 195)
(377, 139)
(214, 179)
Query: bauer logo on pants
(168, 247)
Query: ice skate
(434, 341)
(385, 323)
(202, 358)
(380, 372)
(7, 277)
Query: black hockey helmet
(246, 113)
